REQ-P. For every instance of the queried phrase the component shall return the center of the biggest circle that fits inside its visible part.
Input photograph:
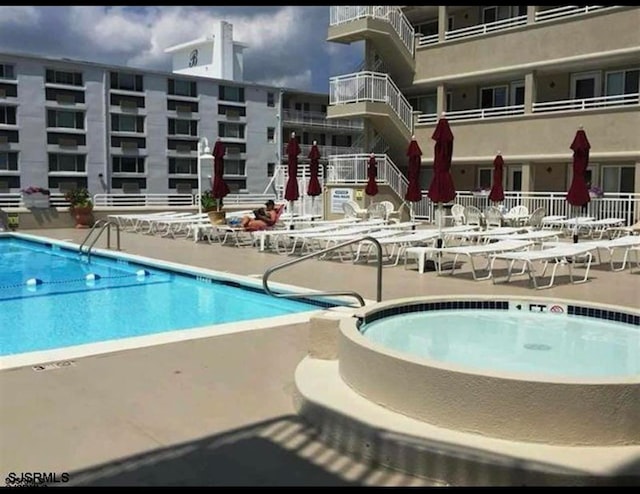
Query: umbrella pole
(440, 241)
(575, 228)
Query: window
(585, 85)
(424, 104)
(234, 167)
(232, 130)
(66, 140)
(8, 136)
(127, 101)
(67, 163)
(492, 97)
(271, 169)
(428, 28)
(448, 103)
(62, 77)
(271, 99)
(450, 23)
(183, 127)
(6, 71)
(622, 82)
(8, 161)
(182, 106)
(127, 164)
(8, 115)
(493, 14)
(183, 166)
(271, 134)
(517, 93)
(127, 123)
(64, 96)
(179, 87)
(618, 178)
(127, 82)
(484, 177)
(65, 119)
(231, 93)
(232, 111)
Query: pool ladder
(104, 225)
(357, 296)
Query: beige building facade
(511, 79)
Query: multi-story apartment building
(515, 79)
(113, 129)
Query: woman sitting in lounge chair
(264, 217)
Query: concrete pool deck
(219, 410)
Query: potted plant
(36, 197)
(80, 206)
(210, 206)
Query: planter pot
(36, 200)
(83, 216)
(217, 217)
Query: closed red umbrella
(314, 189)
(372, 173)
(219, 188)
(497, 192)
(414, 194)
(442, 189)
(291, 192)
(578, 194)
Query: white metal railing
(568, 10)
(352, 169)
(341, 14)
(475, 114)
(320, 119)
(489, 27)
(428, 40)
(325, 151)
(14, 200)
(612, 205)
(370, 86)
(588, 103)
(143, 200)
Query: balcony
(612, 132)
(325, 151)
(386, 27)
(319, 119)
(612, 34)
(373, 96)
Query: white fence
(352, 169)
(489, 27)
(588, 103)
(569, 10)
(320, 119)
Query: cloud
(23, 16)
(287, 45)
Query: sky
(287, 44)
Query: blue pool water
(539, 343)
(67, 309)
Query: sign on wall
(339, 197)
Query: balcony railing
(489, 27)
(319, 119)
(325, 151)
(373, 87)
(588, 103)
(428, 40)
(342, 14)
(475, 114)
(568, 10)
(481, 29)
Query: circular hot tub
(522, 369)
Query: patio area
(219, 410)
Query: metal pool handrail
(353, 294)
(106, 224)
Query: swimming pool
(53, 298)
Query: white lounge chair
(472, 251)
(565, 254)
(624, 244)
